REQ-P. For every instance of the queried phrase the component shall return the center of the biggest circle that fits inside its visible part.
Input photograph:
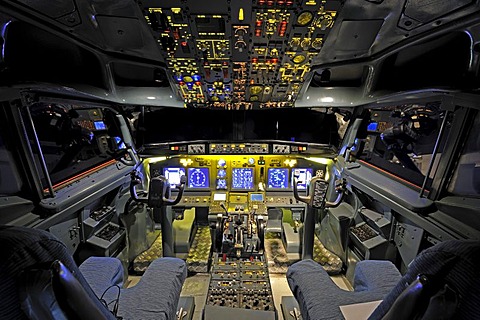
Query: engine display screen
(100, 125)
(198, 178)
(256, 197)
(304, 175)
(242, 178)
(173, 175)
(277, 178)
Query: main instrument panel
(240, 54)
(239, 173)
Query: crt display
(100, 125)
(242, 178)
(256, 197)
(219, 197)
(304, 175)
(277, 178)
(198, 178)
(173, 175)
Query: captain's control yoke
(158, 199)
(316, 199)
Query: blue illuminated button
(221, 184)
(222, 163)
(221, 173)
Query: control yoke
(317, 194)
(159, 192)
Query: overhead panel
(244, 55)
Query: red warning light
(258, 33)
(184, 43)
(181, 83)
(198, 83)
(254, 60)
(274, 60)
(289, 2)
(258, 23)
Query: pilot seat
(27, 255)
(443, 282)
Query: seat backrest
(22, 249)
(453, 263)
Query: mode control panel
(239, 148)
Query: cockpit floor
(197, 283)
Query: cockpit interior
(263, 159)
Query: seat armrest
(157, 293)
(375, 275)
(102, 273)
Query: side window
(401, 140)
(73, 138)
(466, 177)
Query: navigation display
(173, 175)
(198, 178)
(242, 178)
(304, 176)
(277, 178)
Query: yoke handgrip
(159, 193)
(317, 194)
(135, 180)
(181, 188)
(295, 192)
(318, 189)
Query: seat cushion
(101, 274)
(156, 294)
(319, 297)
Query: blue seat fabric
(319, 297)
(462, 258)
(154, 297)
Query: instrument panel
(239, 173)
(240, 54)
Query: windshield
(296, 125)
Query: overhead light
(326, 99)
(151, 98)
(290, 162)
(186, 162)
(155, 159)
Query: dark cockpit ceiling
(241, 54)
